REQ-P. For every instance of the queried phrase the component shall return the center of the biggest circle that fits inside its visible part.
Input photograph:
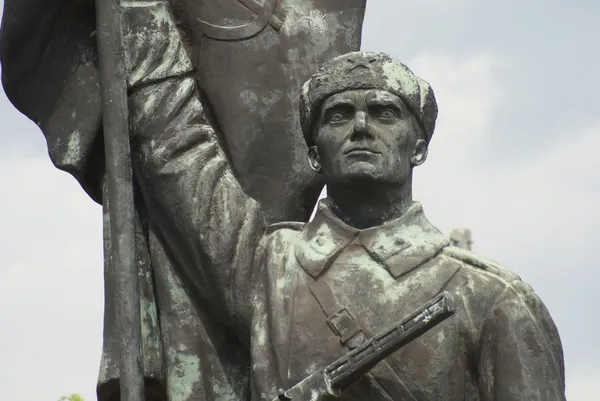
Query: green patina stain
(225, 393)
(183, 374)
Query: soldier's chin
(361, 171)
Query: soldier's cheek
(404, 143)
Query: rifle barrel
(354, 364)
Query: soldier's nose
(360, 123)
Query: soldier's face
(367, 135)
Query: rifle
(328, 383)
(119, 195)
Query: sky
(514, 158)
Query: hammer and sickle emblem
(264, 16)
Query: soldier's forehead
(367, 94)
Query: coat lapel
(401, 245)
(322, 240)
(404, 244)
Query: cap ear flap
(429, 109)
(305, 115)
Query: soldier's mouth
(361, 151)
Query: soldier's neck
(368, 206)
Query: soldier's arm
(209, 224)
(521, 357)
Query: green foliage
(72, 397)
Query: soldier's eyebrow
(385, 101)
(337, 102)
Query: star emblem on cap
(361, 63)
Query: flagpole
(119, 198)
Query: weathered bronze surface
(234, 306)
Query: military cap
(367, 70)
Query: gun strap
(339, 319)
(345, 325)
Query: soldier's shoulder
(480, 263)
(285, 226)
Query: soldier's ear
(420, 153)
(314, 160)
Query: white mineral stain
(152, 54)
(302, 17)
(249, 96)
(399, 77)
(441, 337)
(72, 153)
(260, 336)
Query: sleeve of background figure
(522, 357)
(211, 226)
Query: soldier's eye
(336, 117)
(387, 114)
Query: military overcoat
(275, 287)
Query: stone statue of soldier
(370, 250)
(269, 291)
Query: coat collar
(400, 245)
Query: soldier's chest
(358, 293)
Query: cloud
(560, 182)
(466, 93)
(467, 96)
(584, 386)
(51, 295)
